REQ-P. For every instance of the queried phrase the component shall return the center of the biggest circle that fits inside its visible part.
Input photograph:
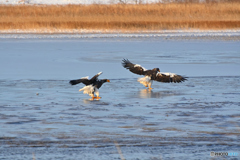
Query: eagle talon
(92, 98)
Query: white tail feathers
(99, 73)
(145, 80)
(90, 90)
(87, 89)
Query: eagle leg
(91, 99)
(92, 95)
(149, 85)
(97, 98)
(97, 94)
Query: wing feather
(169, 78)
(134, 68)
(85, 80)
(76, 81)
(95, 78)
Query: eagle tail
(145, 80)
(87, 89)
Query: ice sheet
(42, 116)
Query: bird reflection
(147, 93)
(88, 101)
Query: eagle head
(156, 69)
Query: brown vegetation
(122, 16)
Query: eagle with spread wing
(92, 85)
(151, 75)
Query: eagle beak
(108, 80)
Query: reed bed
(125, 17)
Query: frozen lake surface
(43, 117)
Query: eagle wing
(134, 68)
(84, 80)
(95, 78)
(169, 78)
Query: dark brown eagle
(92, 85)
(151, 75)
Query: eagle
(92, 85)
(152, 75)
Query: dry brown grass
(122, 17)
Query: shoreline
(93, 34)
(107, 31)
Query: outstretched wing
(134, 68)
(95, 78)
(84, 80)
(169, 77)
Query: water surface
(44, 117)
